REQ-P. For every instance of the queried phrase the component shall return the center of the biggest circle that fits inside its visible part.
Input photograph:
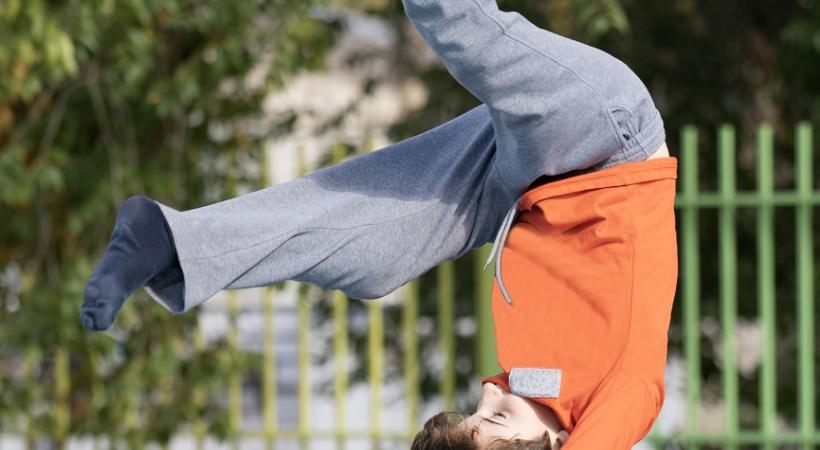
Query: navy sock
(141, 247)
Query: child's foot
(141, 247)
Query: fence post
(805, 284)
(446, 316)
(269, 375)
(410, 316)
(691, 278)
(728, 280)
(199, 395)
(340, 342)
(375, 352)
(235, 380)
(486, 357)
(766, 283)
(62, 388)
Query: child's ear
(560, 439)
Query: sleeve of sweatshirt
(618, 418)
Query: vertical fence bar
(410, 317)
(340, 341)
(303, 350)
(805, 283)
(303, 342)
(486, 358)
(199, 394)
(446, 316)
(269, 368)
(30, 361)
(131, 419)
(766, 281)
(269, 376)
(62, 388)
(235, 380)
(691, 278)
(97, 396)
(728, 280)
(375, 341)
(165, 384)
(340, 380)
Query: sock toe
(92, 292)
(101, 304)
(98, 318)
(141, 247)
(87, 318)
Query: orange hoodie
(589, 272)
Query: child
(582, 302)
(581, 313)
(552, 108)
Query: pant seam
(306, 229)
(506, 33)
(636, 149)
(503, 181)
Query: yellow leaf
(26, 52)
(66, 49)
(11, 9)
(19, 70)
(6, 119)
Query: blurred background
(192, 102)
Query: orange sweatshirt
(590, 271)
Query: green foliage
(99, 101)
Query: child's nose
(492, 389)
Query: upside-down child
(564, 166)
(581, 306)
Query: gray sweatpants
(550, 105)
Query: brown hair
(441, 432)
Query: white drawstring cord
(498, 236)
(498, 246)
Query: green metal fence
(691, 203)
(727, 200)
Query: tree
(100, 101)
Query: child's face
(503, 415)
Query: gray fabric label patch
(535, 382)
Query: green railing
(727, 200)
(691, 201)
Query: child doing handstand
(563, 165)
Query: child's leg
(371, 224)
(366, 226)
(557, 105)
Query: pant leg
(557, 105)
(366, 226)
